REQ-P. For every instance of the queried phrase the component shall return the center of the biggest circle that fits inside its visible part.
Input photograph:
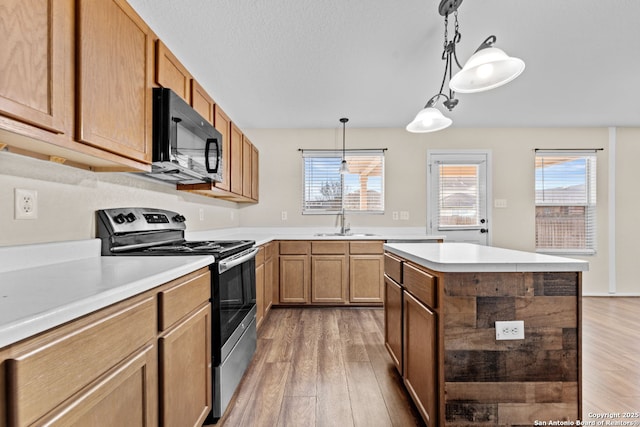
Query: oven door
(234, 299)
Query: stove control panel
(128, 220)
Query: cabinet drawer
(366, 247)
(421, 284)
(260, 256)
(329, 247)
(294, 247)
(63, 362)
(270, 250)
(393, 267)
(182, 298)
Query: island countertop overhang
(466, 257)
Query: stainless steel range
(157, 232)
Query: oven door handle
(237, 259)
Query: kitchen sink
(345, 234)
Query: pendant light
(488, 68)
(344, 169)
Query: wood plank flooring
(321, 367)
(329, 367)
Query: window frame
(336, 155)
(589, 204)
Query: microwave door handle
(206, 155)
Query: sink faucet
(344, 228)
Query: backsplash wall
(67, 199)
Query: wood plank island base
(441, 304)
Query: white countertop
(263, 235)
(59, 282)
(467, 257)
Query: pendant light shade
(488, 68)
(429, 119)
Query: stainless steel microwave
(187, 149)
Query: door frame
(489, 185)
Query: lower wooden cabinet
(145, 361)
(393, 321)
(185, 371)
(331, 272)
(419, 354)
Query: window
(324, 186)
(565, 201)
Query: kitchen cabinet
(329, 272)
(203, 103)
(185, 351)
(171, 74)
(366, 271)
(295, 275)
(222, 123)
(264, 281)
(235, 159)
(420, 356)
(34, 62)
(144, 361)
(53, 84)
(246, 166)
(260, 297)
(411, 331)
(115, 64)
(78, 368)
(255, 173)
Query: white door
(457, 194)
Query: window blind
(327, 191)
(459, 195)
(565, 192)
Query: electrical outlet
(513, 330)
(26, 204)
(283, 215)
(394, 215)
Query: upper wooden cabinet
(236, 159)
(202, 102)
(170, 73)
(114, 79)
(222, 122)
(32, 62)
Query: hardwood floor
(321, 367)
(329, 367)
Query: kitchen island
(441, 304)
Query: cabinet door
(294, 279)
(366, 278)
(170, 73)
(223, 125)
(202, 102)
(420, 374)
(35, 48)
(246, 167)
(255, 165)
(329, 279)
(268, 285)
(185, 367)
(115, 69)
(260, 303)
(125, 397)
(235, 159)
(393, 321)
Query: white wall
(405, 183)
(68, 197)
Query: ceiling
(306, 63)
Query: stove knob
(130, 217)
(179, 218)
(119, 219)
